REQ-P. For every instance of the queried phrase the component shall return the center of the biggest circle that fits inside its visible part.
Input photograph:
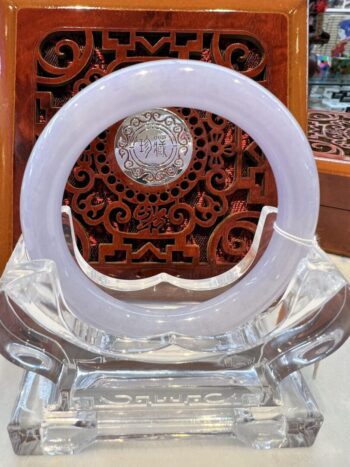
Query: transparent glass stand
(83, 385)
(94, 406)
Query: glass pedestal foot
(87, 407)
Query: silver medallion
(153, 147)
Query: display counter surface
(329, 79)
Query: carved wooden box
(199, 224)
(329, 136)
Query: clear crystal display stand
(82, 385)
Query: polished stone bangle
(172, 83)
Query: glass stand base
(84, 385)
(86, 407)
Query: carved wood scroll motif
(197, 225)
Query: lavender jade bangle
(172, 83)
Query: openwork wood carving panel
(329, 134)
(201, 223)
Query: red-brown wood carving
(199, 224)
(329, 134)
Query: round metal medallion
(153, 147)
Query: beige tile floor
(331, 449)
